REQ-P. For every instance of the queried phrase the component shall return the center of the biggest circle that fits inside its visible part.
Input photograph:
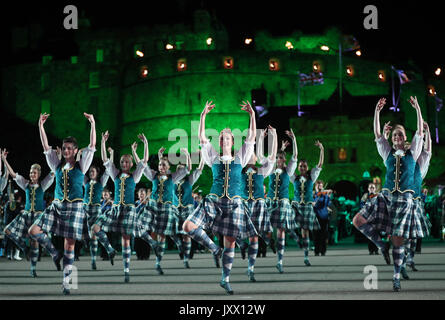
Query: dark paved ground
(338, 275)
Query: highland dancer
(394, 211)
(160, 215)
(122, 218)
(185, 204)
(17, 230)
(282, 216)
(65, 217)
(420, 172)
(222, 210)
(93, 187)
(252, 192)
(303, 202)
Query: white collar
(226, 158)
(278, 170)
(400, 153)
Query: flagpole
(340, 87)
(298, 95)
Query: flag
(314, 78)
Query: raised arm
(294, 144)
(201, 163)
(252, 123)
(161, 153)
(43, 137)
(188, 159)
(201, 133)
(144, 140)
(103, 147)
(90, 118)
(428, 141)
(111, 152)
(380, 104)
(320, 162)
(273, 156)
(415, 105)
(260, 146)
(8, 167)
(134, 148)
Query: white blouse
(210, 155)
(84, 163)
(45, 184)
(113, 171)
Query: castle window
(274, 64)
(228, 63)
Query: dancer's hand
(42, 119)
(247, 107)
(413, 101)
(387, 129)
(208, 107)
(105, 136)
(90, 117)
(380, 104)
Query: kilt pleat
(305, 216)
(281, 214)
(120, 219)
(64, 219)
(228, 217)
(22, 222)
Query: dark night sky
(407, 30)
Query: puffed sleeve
(266, 169)
(150, 173)
(104, 179)
(48, 181)
(194, 176)
(291, 166)
(179, 174)
(315, 172)
(245, 152)
(416, 146)
(111, 169)
(21, 182)
(383, 147)
(52, 159)
(137, 174)
(208, 153)
(424, 162)
(86, 159)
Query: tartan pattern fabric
(222, 215)
(161, 218)
(281, 214)
(259, 215)
(92, 213)
(64, 219)
(305, 216)
(183, 213)
(21, 223)
(396, 214)
(120, 219)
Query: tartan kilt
(120, 219)
(163, 217)
(92, 212)
(22, 222)
(228, 217)
(183, 213)
(396, 214)
(259, 215)
(420, 220)
(64, 219)
(144, 219)
(305, 216)
(281, 214)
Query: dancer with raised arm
(303, 202)
(17, 230)
(122, 218)
(222, 210)
(160, 215)
(252, 191)
(394, 211)
(93, 187)
(282, 216)
(65, 216)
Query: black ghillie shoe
(251, 276)
(280, 268)
(404, 273)
(396, 285)
(226, 287)
(159, 270)
(217, 256)
(57, 259)
(111, 257)
(126, 277)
